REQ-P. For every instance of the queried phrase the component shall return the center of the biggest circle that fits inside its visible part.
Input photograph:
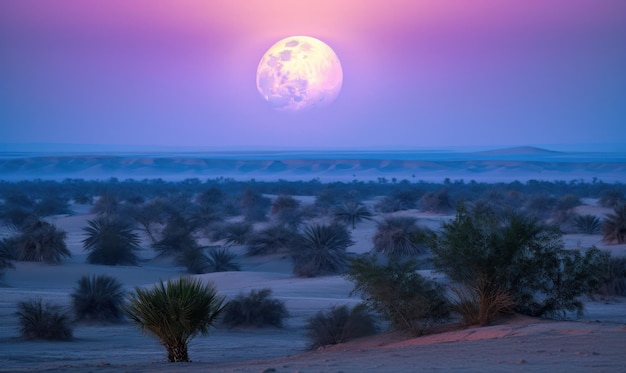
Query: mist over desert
(591, 342)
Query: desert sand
(594, 343)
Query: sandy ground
(594, 343)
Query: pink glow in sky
(416, 73)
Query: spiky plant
(339, 324)
(587, 224)
(42, 320)
(194, 259)
(321, 250)
(614, 227)
(352, 212)
(615, 276)
(269, 240)
(232, 233)
(222, 260)
(175, 312)
(111, 241)
(40, 241)
(257, 308)
(98, 298)
(398, 237)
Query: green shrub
(338, 325)
(321, 250)
(400, 294)
(98, 298)
(257, 308)
(42, 320)
(479, 302)
(175, 312)
(520, 254)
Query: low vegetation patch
(339, 324)
(43, 320)
(257, 308)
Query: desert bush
(52, 205)
(254, 206)
(107, 204)
(399, 236)
(6, 256)
(520, 254)
(351, 212)
(339, 324)
(176, 237)
(587, 224)
(614, 226)
(257, 308)
(321, 250)
(43, 320)
(193, 259)
(540, 205)
(439, 202)
(175, 312)
(286, 210)
(38, 241)
(221, 260)
(398, 293)
(98, 298)
(270, 240)
(615, 276)
(612, 198)
(479, 302)
(232, 233)
(111, 241)
(149, 214)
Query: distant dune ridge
(508, 164)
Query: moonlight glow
(299, 73)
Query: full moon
(299, 73)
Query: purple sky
(416, 73)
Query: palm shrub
(398, 293)
(43, 320)
(98, 298)
(257, 308)
(111, 241)
(270, 240)
(352, 212)
(614, 227)
(399, 236)
(520, 254)
(439, 202)
(221, 260)
(175, 312)
(587, 224)
(612, 198)
(286, 210)
(232, 233)
(339, 324)
(176, 236)
(39, 241)
(321, 250)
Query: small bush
(587, 224)
(615, 279)
(481, 302)
(399, 237)
(41, 320)
(221, 260)
(321, 250)
(270, 240)
(98, 298)
(338, 325)
(400, 294)
(256, 308)
(111, 241)
(232, 233)
(39, 241)
(194, 259)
